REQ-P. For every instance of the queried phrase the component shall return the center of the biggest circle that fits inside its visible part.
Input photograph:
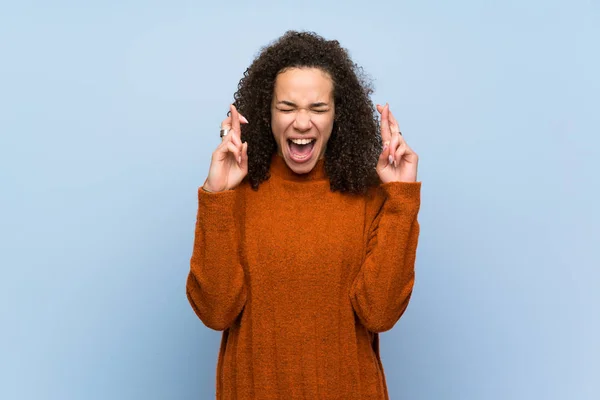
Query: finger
(403, 141)
(221, 152)
(394, 126)
(409, 154)
(396, 138)
(226, 123)
(401, 145)
(383, 161)
(394, 143)
(235, 139)
(392, 119)
(231, 139)
(393, 147)
(244, 161)
(222, 147)
(236, 152)
(399, 154)
(385, 125)
(235, 121)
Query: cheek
(325, 125)
(279, 123)
(277, 129)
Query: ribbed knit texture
(301, 280)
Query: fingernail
(243, 119)
(395, 165)
(385, 145)
(239, 159)
(390, 159)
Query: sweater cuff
(402, 194)
(406, 190)
(218, 201)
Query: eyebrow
(292, 104)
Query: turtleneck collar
(280, 169)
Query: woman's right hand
(229, 162)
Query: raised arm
(216, 286)
(383, 286)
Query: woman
(307, 229)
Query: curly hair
(355, 142)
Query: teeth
(302, 141)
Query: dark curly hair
(355, 142)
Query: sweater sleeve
(382, 288)
(216, 286)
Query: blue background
(109, 112)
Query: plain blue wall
(109, 112)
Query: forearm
(383, 286)
(216, 286)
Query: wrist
(207, 188)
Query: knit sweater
(301, 280)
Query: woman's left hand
(397, 162)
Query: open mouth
(301, 149)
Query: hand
(397, 162)
(229, 162)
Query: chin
(301, 169)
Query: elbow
(217, 314)
(379, 318)
(217, 322)
(378, 324)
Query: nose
(302, 122)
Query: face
(302, 114)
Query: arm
(216, 287)
(382, 288)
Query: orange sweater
(301, 280)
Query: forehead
(310, 84)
